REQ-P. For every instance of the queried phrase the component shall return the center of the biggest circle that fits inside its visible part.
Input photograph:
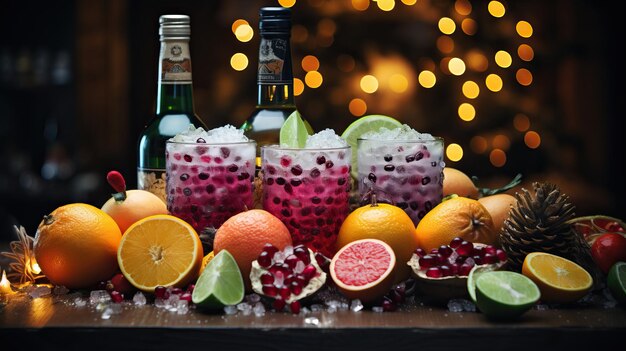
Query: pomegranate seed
(465, 249)
(270, 290)
(265, 259)
(490, 249)
(322, 261)
(190, 288)
(433, 251)
(419, 252)
(278, 304)
(456, 242)
(284, 292)
(267, 279)
(309, 272)
(445, 271)
(434, 272)
(270, 249)
(501, 255)
(454, 268)
(388, 305)
(296, 287)
(279, 267)
(439, 259)
(302, 253)
(116, 296)
(185, 296)
(489, 258)
(302, 280)
(478, 260)
(427, 261)
(295, 307)
(291, 261)
(396, 296)
(176, 291)
(160, 292)
(445, 251)
(465, 269)
(479, 251)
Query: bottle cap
(275, 19)
(174, 26)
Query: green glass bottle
(275, 100)
(174, 106)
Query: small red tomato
(608, 249)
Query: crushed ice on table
(139, 299)
(324, 139)
(253, 298)
(80, 302)
(405, 132)
(182, 307)
(258, 309)
(99, 296)
(39, 291)
(461, 305)
(356, 305)
(312, 321)
(377, 309)
(245, 308)
(60, 290)
(225, 134)
(230, 309)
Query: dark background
(78, 83)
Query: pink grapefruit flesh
(363, 269)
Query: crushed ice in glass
(405, 132)
(324, 139)
(225, 134)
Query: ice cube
(40, 291)
(356, 305)
(317, 308)
(405, 132)
(106, 314)
(60, 290)
(324, 139)
(253, 298)
(79, 302)
(230, 309)
(377, 309)
(139, 299)
(312, 321)
(258, 309)
(455, 305)
(98, 296)
(245, 308)
(182, 306)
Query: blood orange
(363, 269)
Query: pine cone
(539, 222)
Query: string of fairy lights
(479, 71)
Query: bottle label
(272, 55)
(175, 63)
(152, 180)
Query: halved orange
(560, 280)
(160, 250)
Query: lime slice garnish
(220, 283)
(361, 126)
(474, 274)
(293, 133)
(504, 294)
(616, 281)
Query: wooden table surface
(56, 323)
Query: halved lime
(504, 294)
(616, 281)
(220, 283)
(474, 274)
(293, 133)
(361, 126)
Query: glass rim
(210, 144)
(434, 139)
(278, 147)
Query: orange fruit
(206, 259)
(559, 280)
(160, 250)
(384, 222)
(138, 204)
(245, 234)
(459, 183)
(76, 246)
(498, 206)
(363, 269)
(457, 217)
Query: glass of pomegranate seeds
(308, 189)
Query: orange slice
(560, 280)
(160, 250)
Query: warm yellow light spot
(497, 157)
(493, 82)
(427, 79)
(501, 141)
(310, 63)
(445, 44)
(525, 52)
(239, 61)
(496, 9)
(34, 266)
(476, 61)
(503, 59)
(299, 33)
(469, 26)
(357, 107)
(447, 25)
(326, 27)
(360, 5)
(286, 3)
(345, 63)
(524, 77)
(454, 152)
(467, 112)
(532, 139)
(471, 89)
(298, 86)
(5, 285)
(409, 2)
(521, 122)
(456, 66)
(478, 144)
(386, 5)
(313, 79)
(463, 7)
(244, 33)
(524, 29)
(398, 83)
(238, 23)
(369, 84)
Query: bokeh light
(369, 84)
(478, 144)
(238, 23)
(445, 44)
(454, 152)
(521, 122)
(524, 29)
(456, 66)
(313, 79)
(409, 2)
(357, 107)
(496, 9)
(501, 141)
(299, 33)
(503, 59)
(286, 3)
(310, 63)
(244, 33)
(463, 7)
(427, 79)
(386, 5)
(360, 5)
(239, 61)
(446, 25)
(298, 86)
(346, 63)
(525, 52)
(476, 61)
(398, 83)
(467, 112)
(470, 89)
(493, 82)
(532, 139)
(524, 77)
(469, 26)
(497, 157)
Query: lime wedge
(220, 283)
(504, 294)
(361, 126)
(616, 281)
(294, 132)
(474, 274)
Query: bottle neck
(275, 74)
(175, 89)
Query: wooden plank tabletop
(56, 323)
